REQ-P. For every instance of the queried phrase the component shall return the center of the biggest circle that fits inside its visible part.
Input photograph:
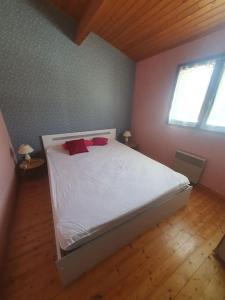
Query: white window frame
(209, 97)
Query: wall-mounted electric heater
(189, 164)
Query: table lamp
(127, 135)
(25, 150)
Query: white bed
(104, 198)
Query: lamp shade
(127, 134)
(25, 149)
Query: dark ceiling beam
(91, 18)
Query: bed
(103, 199)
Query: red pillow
(100, 141)
(76, 146)
(64, 146)
(88, 143)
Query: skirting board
(82, 259)
(216, 194)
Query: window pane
(190, 92)
(217, 114)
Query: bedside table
(34, 165)
(132, 145)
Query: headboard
(57, 139)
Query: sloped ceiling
(142, 28)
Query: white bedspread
(94, 191)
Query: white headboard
(57, 139)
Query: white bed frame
(72, 264)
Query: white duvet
(95, 191)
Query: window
(199, 96)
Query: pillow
(76, 146)
(64, 146)
(100, 141)
(88, 143)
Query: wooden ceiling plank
(130, 15)
(115, 13)
(168, 27)
(145, 20)
(202, 25)
(173, 14)
(108, 14)
(150, 51)
(90, 18)
(204, 12)
(215, 27)
(149, 11)
(192, 26)
(187, 34)
(121, 16)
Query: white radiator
(189, 164)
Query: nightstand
(33, 167)
(132, 145)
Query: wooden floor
(173, 260)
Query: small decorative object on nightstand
(127, 135)
(25, 149)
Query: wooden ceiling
(142, 28)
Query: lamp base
(27, 158)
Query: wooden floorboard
(173, 260)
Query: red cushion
(88, 143)
(76, 146)
(64, 146)
(100, 141)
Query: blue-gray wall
(50, 85)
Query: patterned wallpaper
(50, 85)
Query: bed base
(82, 259)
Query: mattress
(95, 191)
